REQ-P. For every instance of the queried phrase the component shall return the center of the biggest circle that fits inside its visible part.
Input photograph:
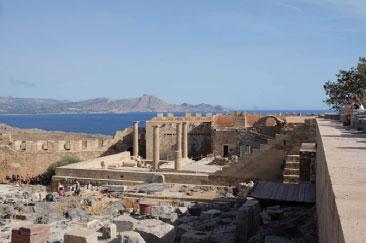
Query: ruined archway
(269, 125)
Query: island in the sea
(145, 103)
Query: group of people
(18, 179)
(43, 179)
(355, 105)
(61, 189)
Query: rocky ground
(108, 214)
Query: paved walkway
(342, 182)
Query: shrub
(62, 162)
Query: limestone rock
(156, 231)
(128, 237)
(6, 211)
(31, 233)
(125, 223)
(115, 209)
(170, 218)
(78, 235)
(90, 201)
(152, 187)
(109, 231)
(248, 220)
(181, 210)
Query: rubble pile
(107, 214)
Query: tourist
(357, 105)
(77, 188)
(27, 179)
(61, 190)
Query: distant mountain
(145, 103)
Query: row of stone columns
(182, 149)
(180, 153)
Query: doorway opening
(226, 151)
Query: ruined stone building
(219, 135)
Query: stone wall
(328, 157)
(239, 141)
(199, 135)
(267, 162)
(210, 134)
(225, 137)
(124, 141)
(33, 157)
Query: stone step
(291, 178)
(293, 158)
(292, 165)
(290, 171)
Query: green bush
(62, 162)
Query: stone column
(156, 147)
(185, 140)
(178, 160)
(179, 138)
(136, 139)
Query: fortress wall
(31, 163)
(33, 157)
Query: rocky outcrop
(145, 103)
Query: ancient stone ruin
(212, 178)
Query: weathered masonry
(19, 156)
(340, 183)
(220, 135)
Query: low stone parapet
(340, 183)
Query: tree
(349, 83)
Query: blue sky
(246, 54)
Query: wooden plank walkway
(284, 192)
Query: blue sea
(106, 124)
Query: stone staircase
(291, 171)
